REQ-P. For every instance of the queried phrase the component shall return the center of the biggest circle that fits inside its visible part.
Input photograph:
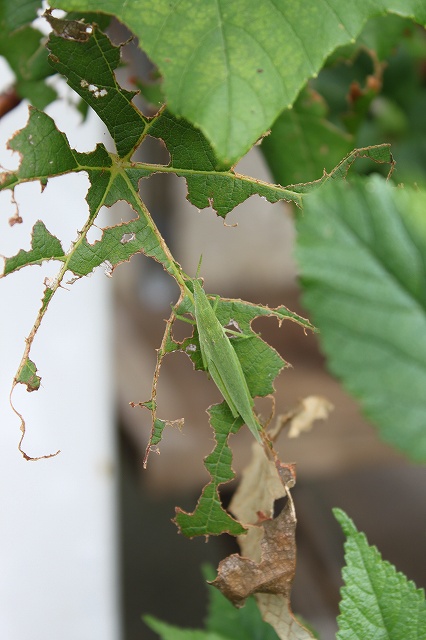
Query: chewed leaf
(89, 65)
(44, 151)
(316, 144)
(234, 68)
(210, 182)
(44, 246)
(380, 153)
(377, 600)
(28, 376)
(249, 346)
(209, 517)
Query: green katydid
(221, 361)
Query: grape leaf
(210, 182)
(361, 248)
(377, 601)
(231, 68)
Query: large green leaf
(231, 67)
(377, 602)
(362, 253)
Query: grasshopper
(221, 361)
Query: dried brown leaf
(267, 565)
(310, 409)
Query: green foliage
(227, 69)
(361, 249)
(223, 621)
(315, 142)
(89, 69)
(228, 73)
(377, 601)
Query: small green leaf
(44, 151)
(377, 600)
(361, 248)
(44, 246)
(28, 375)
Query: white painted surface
(58, 538)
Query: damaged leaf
(89, 65)
(266, 565)
(303, 417)
(44, 246)
(28, 376)
(209, 517)
(228, 70)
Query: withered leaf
(239, 577)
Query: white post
(58, 536)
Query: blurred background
(86, 541)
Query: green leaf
(14, 15)
(44, 246)
(171, 632)
(231, 68)
(209, 517)
(224, 621)
(210, 182)
(243, 623)
(361, 248)
(377, 601)
(44, 151)
(89, 65)
(302, 143)
(27, 57)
